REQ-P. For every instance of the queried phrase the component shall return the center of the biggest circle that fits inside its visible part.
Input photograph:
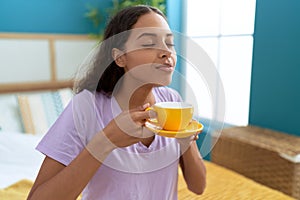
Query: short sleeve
(72, 130)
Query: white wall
(29, 60)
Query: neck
(130, 96)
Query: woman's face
(150, 55)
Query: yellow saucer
(193, 127)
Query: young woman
(100, 146)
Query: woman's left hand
(187, 141)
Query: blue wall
(175, 12)
(275, 85)
(63, 16)
(47, 16)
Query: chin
(164, 82)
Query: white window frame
(224, 29)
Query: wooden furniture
(266, 156)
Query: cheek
(138, 58)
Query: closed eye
(151, 45)
(170, 45)
(148, 45)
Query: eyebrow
(153, 35)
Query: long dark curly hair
(104, 73)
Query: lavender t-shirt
(133, 172)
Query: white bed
(36, 73)
(24, 119)
(18, 157)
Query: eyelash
(148, 45)
(172, 45)
(151, 45)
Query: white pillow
(18, 157)
(40, 110)
(10, 118)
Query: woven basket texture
(255, 153)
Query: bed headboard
(32, 62)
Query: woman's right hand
(124, 130)
(128, 127)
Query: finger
(141, 108)
(141, 116)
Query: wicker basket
(266, 156)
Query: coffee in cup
(173, 116)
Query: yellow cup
(173, 116)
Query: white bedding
(18, 157)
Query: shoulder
(83, 95)
(167, 94)
(85, 106)
(88, 98)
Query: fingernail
(146, 105)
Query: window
(224, 29)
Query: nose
(165, 53)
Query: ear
(118, 57)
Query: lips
(165, 67)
